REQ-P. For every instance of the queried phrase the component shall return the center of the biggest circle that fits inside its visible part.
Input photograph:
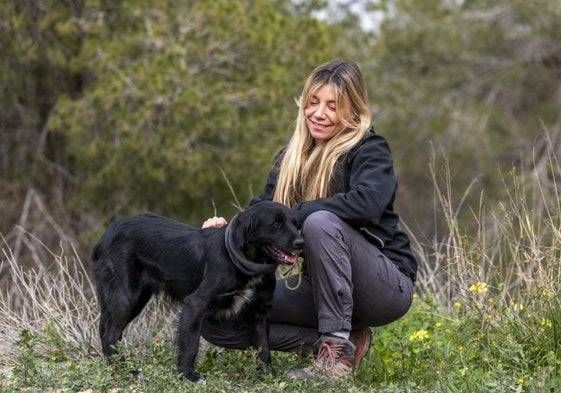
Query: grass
(486, 317)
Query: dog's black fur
(142, 255)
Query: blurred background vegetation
(115, 107)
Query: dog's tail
(97, 252)
(100, 250)
(102, 247)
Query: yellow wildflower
(546, 322)
(419, 335)
(548, 293)
(516, 306)
(479, 287)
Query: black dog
(211, 271)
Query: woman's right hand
(215, 222)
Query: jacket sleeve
(370, 190)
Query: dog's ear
(242, 227)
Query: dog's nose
(298, 244)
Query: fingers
(215, 222)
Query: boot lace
(331, 354)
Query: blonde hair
(306, 168)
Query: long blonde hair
(306, 168)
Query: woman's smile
(321, 114)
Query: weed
(26, 367)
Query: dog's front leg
(259, 337)
(188, 338)
(258, 319)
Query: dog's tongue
(290, 259)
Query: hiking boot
(361, 338)
(334, 361)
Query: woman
(337, 175)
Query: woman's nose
(320, 111)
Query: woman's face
(321, 114)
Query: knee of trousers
(318, 224)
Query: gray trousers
(347, 284)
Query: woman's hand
(215, 222)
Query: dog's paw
(196, 379)
(264, 369)
(193, 377)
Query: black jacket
(363, 192)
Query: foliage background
(110, 108)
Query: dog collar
(239, 260)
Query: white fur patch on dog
(240, 298)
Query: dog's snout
(298, 243)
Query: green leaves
(124, 106)
(180, 92)
(468, 78)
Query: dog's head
(266, 233)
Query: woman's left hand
(215, 222)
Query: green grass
(481, 346)
(486, 318)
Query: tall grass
(57, 301)
(513, 245)
(486, 316)
(54, 297)
(493, 278)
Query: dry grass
(513, 245)
(57, 299)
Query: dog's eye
(278, 223)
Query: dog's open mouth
(281, 256)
